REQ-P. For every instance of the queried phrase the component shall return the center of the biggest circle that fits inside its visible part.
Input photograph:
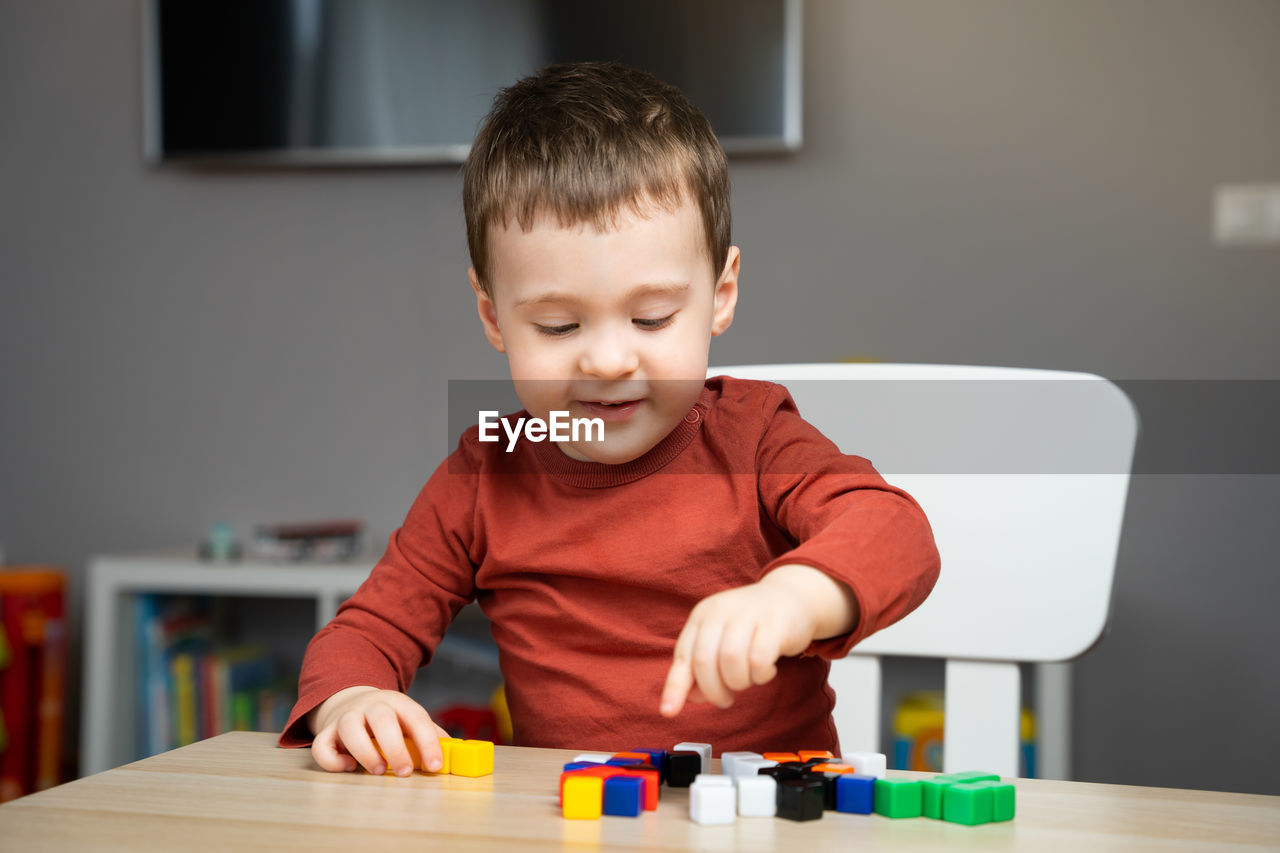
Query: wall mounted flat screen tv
(316, 82)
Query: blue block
(623, 796)
(624, 762)
(578, 765)
(855, 793)
(658, 758)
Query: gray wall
(1023, 183)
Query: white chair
(1024, 475)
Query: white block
(728, 758)
(714, 779)
(712, 802)
(757, 796)
(751, 766)
(868, 763)
(703, 749)
(598, 757)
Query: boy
(710, 546)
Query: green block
(933, 789)
(898, 797)
(969, 803)
(1002, 805)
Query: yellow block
(471, 758)
(583, 797)
(446, 753)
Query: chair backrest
(1024, 475)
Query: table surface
(239, 792)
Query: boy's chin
(606, 452)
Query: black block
(683, 767)
(800, 799)
(781, 772)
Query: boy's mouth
(610, 410)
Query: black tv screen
(313, 82)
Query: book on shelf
(191, 685)
(32, 679)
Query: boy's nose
(609, 357)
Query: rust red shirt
(588, 572)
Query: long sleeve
(385, 632)
(848, 522)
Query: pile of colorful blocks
(797, 786)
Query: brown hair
(578, 141)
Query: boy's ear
(488, 312)
(726, 297)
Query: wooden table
(239, 792)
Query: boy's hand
(347, 723)
(733, 639)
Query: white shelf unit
(110, 661)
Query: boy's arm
(384, 633)
(865, 558)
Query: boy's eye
(656, 323)
(555, 331)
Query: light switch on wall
(1246, 214)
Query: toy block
(727, 760)
(446, 753)
(599, 771)
(626, 762)
(781, 757)
(637, 755)
(623, 795)
(898, 798)
(832, 767)
(855, 793)
(579, 765)
(703, 750)
(972, 803)
(597, 757)
(806, 754)
(933, 789)
(782, 772)
(471, 758)
(757, 796)
(830, 775)
(712, 800)
(713, 779)
(868, 763)
(583, 797)
(1003, 797)
(744, 767)
(682, 767)
(968, 803)
(652, 781)
(658, 758)
(800, 799)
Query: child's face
(608, 324)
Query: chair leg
(983, 706)
(856, 681)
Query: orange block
(834, 768)
(643, 756)
(806, 754)
(780, 757)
